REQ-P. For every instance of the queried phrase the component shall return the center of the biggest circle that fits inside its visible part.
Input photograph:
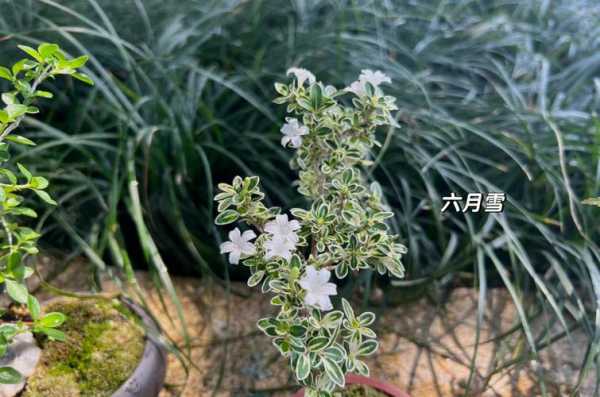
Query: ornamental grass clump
(18, 241)
(343, 229)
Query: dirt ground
(425, 348)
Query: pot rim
(154, 350)
(353, 379)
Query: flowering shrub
(25, 76)
(344, 229)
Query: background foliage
(494, 96)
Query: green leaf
(21, 140)
(51, 320)
(52, 333)
(25, 212)
(4, 118)
(318, 343)
(44, 94)
(302, 367)
(47, 50)
(38, 182)
(252, 182)
(8, 330)
(332, 319)
(335, 353)
(298, 331)
(4, 155)
(316, 96)
(15, 110)
(366, 319)
(45, 196)
(10, 376)
(19, 66)
(334, 371)
(281, 89)
(368, 347)
(13, 260)
(9, 98)
(24, 171)
(226, 217)
(361, 368)
(5, 73)
(31, 52)
(33, 305)
(18, 292)
(295, 262)
(11, 177)
(83, 77)
(256, 278)
(78, 62)
(348, 309)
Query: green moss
(103, 347)
(360, 391)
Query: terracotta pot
(148, 378)
(385, 388)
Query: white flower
(282, 228)
(374, 77)
(238, 245)
(368, 76)
(280, 247)
(318, 288)
(292, 133)
(302, 75)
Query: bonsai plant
(342, 230)
(78, 367)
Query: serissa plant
(342, 230)
(18, 241)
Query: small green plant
(343, 229)
(18, 241)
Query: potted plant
(80, 339)
(342, 230)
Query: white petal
(311, 299)
(281, 218)
(271, 227)
(329, 289)
(323, 275)
(235, 235)
(234, 257)
(287, 255)
(248, 235)
(294, 225)
(324, 302)
(292, 239)
(296, 142)
(357, 88)
(303, 130)
(285, 140)
(311, 272)
(248, 249)
(227, 246)
(304, 283)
